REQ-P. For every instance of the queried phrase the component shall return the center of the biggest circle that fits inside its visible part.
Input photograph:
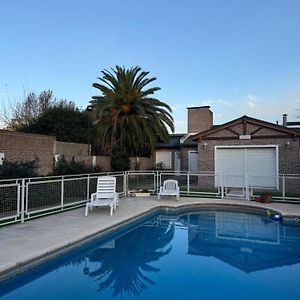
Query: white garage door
(256, 165)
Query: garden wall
(18, 146)
(73, 151)
(141, 163)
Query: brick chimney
(199, 119)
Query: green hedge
(18, 169)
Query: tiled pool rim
(164, 206)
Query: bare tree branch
(24, 113)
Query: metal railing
(22, 199)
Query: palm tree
(124, 268)
(128, 116)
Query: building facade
(242, 146)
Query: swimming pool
(204, 254)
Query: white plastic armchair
(105, 195)
(170, 188)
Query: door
(177, 161)
(193, 161)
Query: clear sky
(239, 56)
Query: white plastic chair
(106, 194)
(169, 188)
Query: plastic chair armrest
(93, 196)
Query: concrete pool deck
(25, 245)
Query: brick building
(242, 146)
(19, 146)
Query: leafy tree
(24, 113)
(129, 119)
(119, 161)
(64, 121)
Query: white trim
(248, 146)
(277, 166)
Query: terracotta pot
(266, 198)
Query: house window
(164, 158)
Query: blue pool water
(196, 255)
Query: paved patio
(28, 244)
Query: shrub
(119, 161)
(160, 166)
(18, 169)
(63, 167)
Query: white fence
(22, 199)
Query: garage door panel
(261, 167)
(230, 165)
(231, 161)
(258, 164)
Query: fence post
(158, 178)
(222, 185)
(22, 200)
(188, 182)
(88, 187)
(62, 193)
(247, 187)
(283, 187)
(125, 181)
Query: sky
(241, 57)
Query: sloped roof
(174, 141)
(248, 120)
(294, 125)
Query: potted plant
(266, 197)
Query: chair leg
(111, 209)
(86, 209)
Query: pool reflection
(160, 251)
(125, 263)
(247, 242)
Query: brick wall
(71, 149)
(76, 151)
(184, 154)
(18, 146)
(104, 163)
(141, 163)
(199, 119)
(288, 148)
